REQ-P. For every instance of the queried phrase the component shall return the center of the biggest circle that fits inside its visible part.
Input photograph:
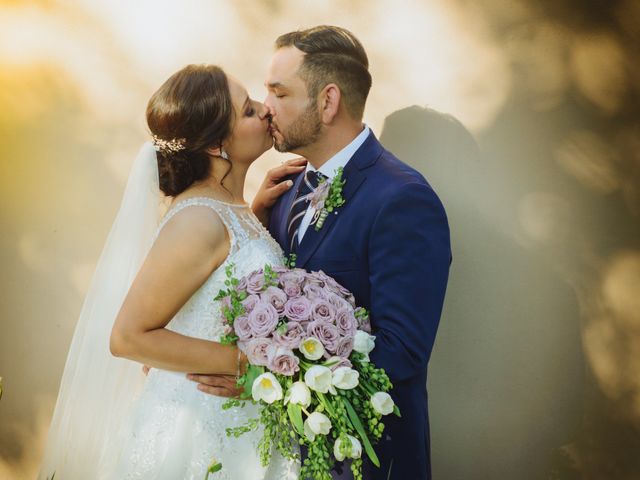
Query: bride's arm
(190, 246)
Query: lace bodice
(251, 247)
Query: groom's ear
(329, 102)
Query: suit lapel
(354, 176)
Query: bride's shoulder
(196, 230)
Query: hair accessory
(169, 146)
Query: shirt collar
(341, 158)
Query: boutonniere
(327, 198)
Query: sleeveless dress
(175, 430)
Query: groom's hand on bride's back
(220, 385)
(273, 187)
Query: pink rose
(293, 337)
(316, 278)
(275, 297)
(256, 350)
(263, 319)
(242, 327)
(322, 310)
(346, 322)
(282, 360)
(298, 309)
(326, 333)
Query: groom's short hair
(332, 55)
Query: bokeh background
(523, 114)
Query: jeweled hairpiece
(169, 146)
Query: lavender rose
(292, 276)
(317, 278)
(293, 337)
(344, 348)
(337, 301)
(263, 319)
(282, 360)
(313, 291)
(255, 282)
(298, 309)
(256, 350)
(292, 289)
(322, 310)
(250, 302)
(346, 322)
(326, 333)
(338, 362)
(275, 297)
(242, 327)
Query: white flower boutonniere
(327, 198)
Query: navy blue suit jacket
(389, 245)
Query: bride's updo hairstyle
(190, 112)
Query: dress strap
(223, 210)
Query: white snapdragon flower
(318, 378)
(311, 348)
(316, 424)
(345, 378)
(382, 403)
(356, 448)
(364, 343)
(298, 394)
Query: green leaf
(326, 404)
(355, 421)
(295, 415)
(253, 372)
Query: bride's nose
(263, 111)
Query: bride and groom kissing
(387, 242)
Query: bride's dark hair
(194, 108)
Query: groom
(388, 243)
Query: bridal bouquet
(308, 348)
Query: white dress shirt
(328, 169)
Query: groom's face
(296, 121)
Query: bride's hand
(220, 385)
(273, 187)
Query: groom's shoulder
(391, 177)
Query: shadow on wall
(506, 379)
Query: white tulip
(364, 343)
(316, 424)
(356, 449)
(382, 403)
(318, 378)
(311, 348)
(266, 388)
(298, 394)
(345, 378)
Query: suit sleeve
(409, 258)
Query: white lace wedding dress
(175, 430)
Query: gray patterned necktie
(300, 204)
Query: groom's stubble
(304, 130)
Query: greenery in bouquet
(308, 347)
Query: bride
(151, 299)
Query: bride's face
(250, 136)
